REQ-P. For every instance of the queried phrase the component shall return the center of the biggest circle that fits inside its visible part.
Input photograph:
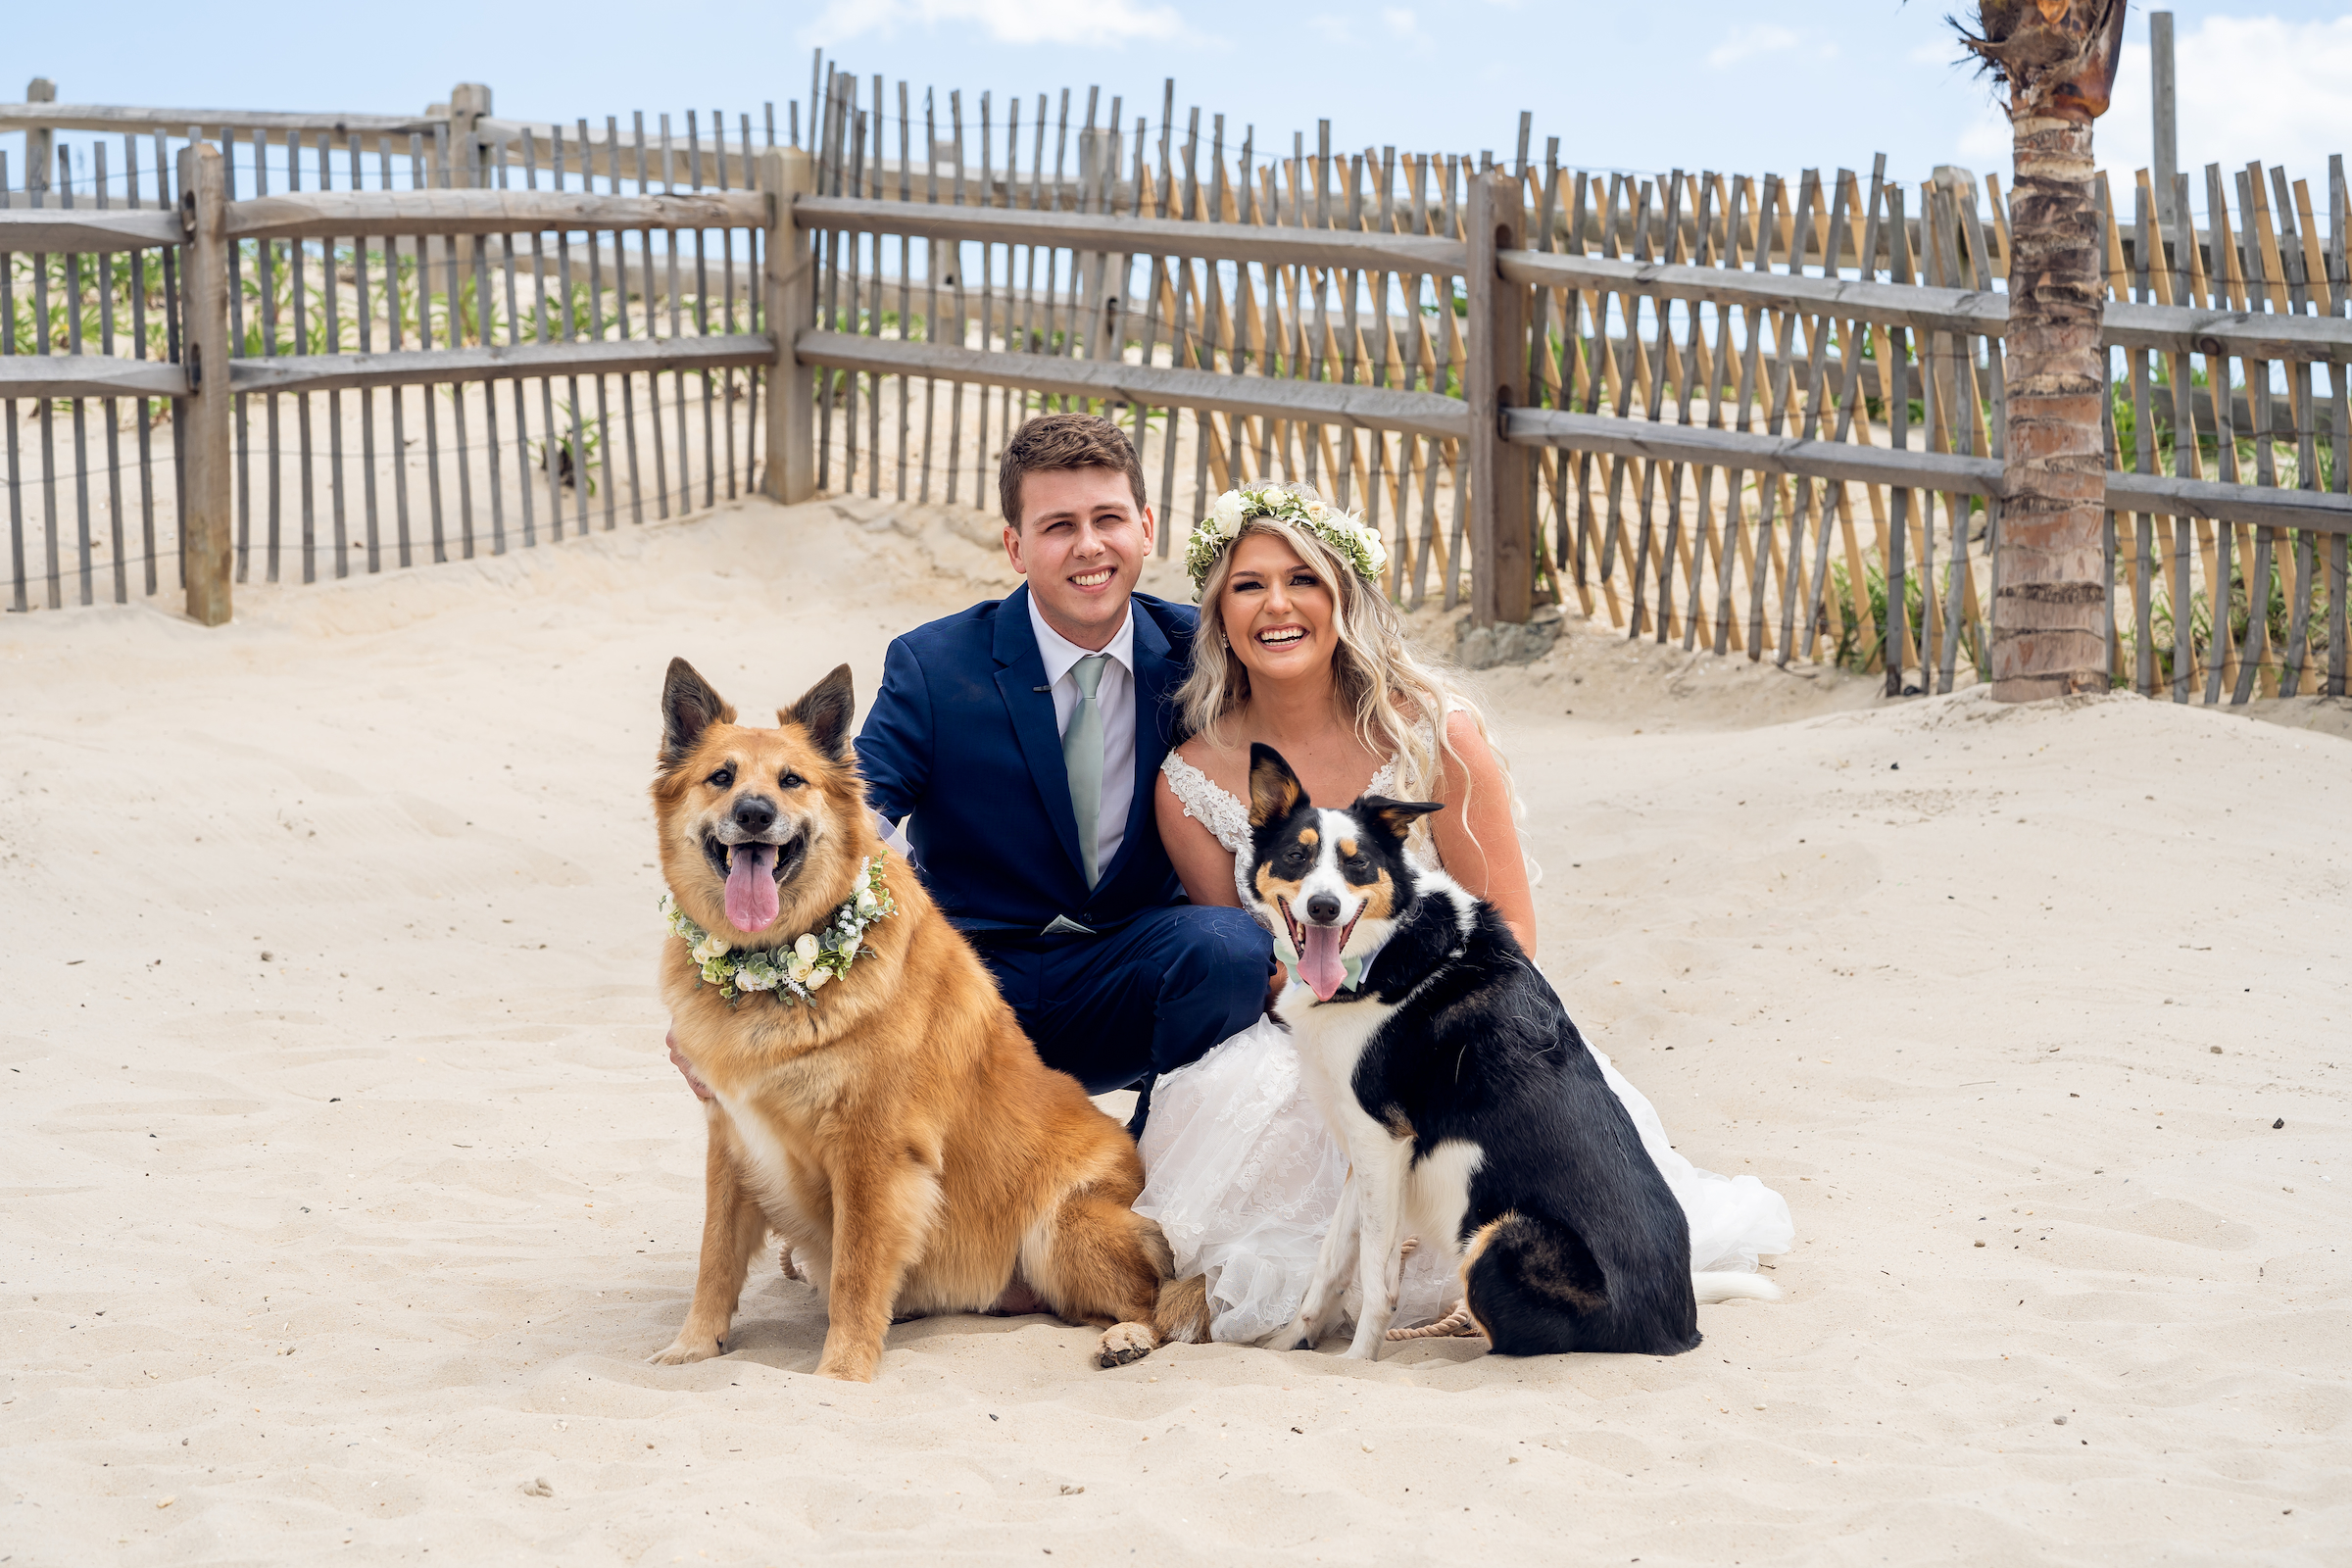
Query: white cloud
(1742, 44)
(1014, 22)
(1348, 31)
(1984, 145)
(2248, 87)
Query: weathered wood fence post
(790, 475)
(468, 102)
(2166, 123)
(1495, 378)
(41, 144)
(204, 527)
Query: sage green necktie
(1081, 758)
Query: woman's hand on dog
(684, 1067)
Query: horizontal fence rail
(1082, 232)
(89, 376)
(1847, 462)
(1361, 408)
(55, 117)
(2165, 328)
(349, 215)
(91, 233)
(501, 362)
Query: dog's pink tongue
(752, 887)
(1319, 964)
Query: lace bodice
(1216, 808)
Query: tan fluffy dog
(897, 1128)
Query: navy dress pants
(1113, 1009)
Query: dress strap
(1207, 802)
(1383, 778)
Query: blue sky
(1702, 83)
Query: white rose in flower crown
(1226, 513)
(753, 980)
(806, 947)
(1376, 551)
(707, 949)
(798, 968)
(817, 980)
(866, 902)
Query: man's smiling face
(1081, 544)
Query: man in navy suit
(1021, 739)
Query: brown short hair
(1055, 443)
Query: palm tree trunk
(2048, 616)
(2058, 60)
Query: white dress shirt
(1115, 696)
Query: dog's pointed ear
(1274, 790)
(825, 711)
(1398, 816)
(689, 706)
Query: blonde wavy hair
(1386, 685)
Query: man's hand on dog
(685, 1068)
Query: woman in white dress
(1299, 649)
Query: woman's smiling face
(1277, 613)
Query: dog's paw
(845, 1372)
(1124, 1343)
(683, 1352)
(1297, 1337)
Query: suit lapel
(1021, 678)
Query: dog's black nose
(1323, 907)
(754, 814)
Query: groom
(1023, 738)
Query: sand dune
(347, 1186)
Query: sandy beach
(348, 1187)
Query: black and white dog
(1473, 1115)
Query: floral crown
(1354, 543)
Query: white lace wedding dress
(1244, 1175)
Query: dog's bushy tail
(1183, 1314)
(1728, 1286)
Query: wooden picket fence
(1750, 414)
(445, 336)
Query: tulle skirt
(1244, 1176)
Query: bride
(1299, 648)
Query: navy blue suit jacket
(961, 735)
